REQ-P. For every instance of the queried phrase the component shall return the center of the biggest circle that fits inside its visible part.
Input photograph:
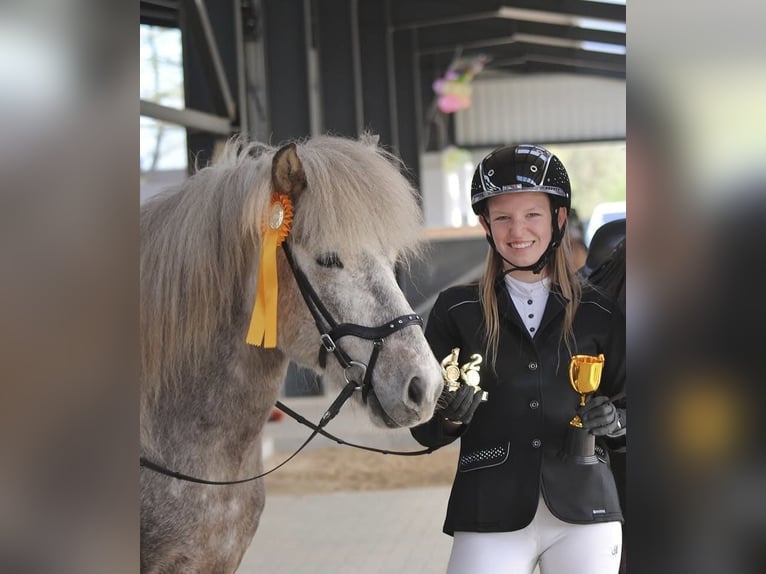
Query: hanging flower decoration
(454, 88)
(263, 322)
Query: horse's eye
(330, 260)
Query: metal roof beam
(193, 119)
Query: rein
(330, 331)
(318, 429)
(329, 414)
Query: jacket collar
(555, 306)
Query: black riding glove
(459, 405)
(601, 417)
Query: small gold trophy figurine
(451, 370)
(468, 374)
(585, 377)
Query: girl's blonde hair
(565, 282)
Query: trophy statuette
(454, 375)
(585, 378)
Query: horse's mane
(198, 241)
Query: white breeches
(559, 547)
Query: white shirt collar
(529, 299)
(530, 290)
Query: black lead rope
(318, 429)
(344, 395)
(330, 414)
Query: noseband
(331, 331)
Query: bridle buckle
(327, 342)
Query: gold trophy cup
(454, 375)
(585, 377)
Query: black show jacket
(509, 451)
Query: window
(163, 145)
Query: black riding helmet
(523, 168)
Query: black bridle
(330, 332)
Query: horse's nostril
(415, 391)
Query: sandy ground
(348, 469)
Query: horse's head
(354, 217)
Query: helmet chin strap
(535, 268)
(538, 265)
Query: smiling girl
(516, 501)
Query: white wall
(539, 109)
(446, 188)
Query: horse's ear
(287, 175)
(370, 139)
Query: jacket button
(532, 366)
(536, 443)
(533, 404)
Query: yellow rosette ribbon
(263, 322)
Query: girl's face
(521, 228)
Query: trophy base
(579, 447)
